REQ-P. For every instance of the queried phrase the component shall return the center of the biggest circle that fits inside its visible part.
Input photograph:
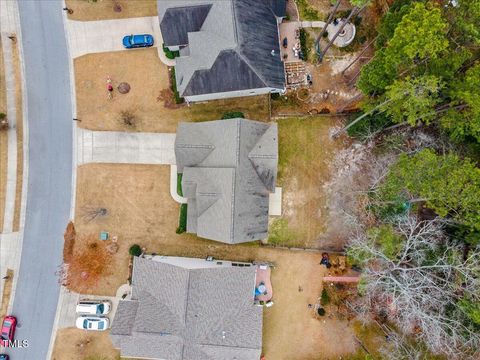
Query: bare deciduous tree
(420, 287)
(90, 213)
(128, 118)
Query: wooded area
(417, 233)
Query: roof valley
(185, 329)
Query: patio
(290, 31)
(263, 285)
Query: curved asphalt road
(49, 175)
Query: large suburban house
(189, 309)
(228, 48)
(229, 169)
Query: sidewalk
(6, 30)
(11, 242)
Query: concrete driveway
(125, 147)
(67, 307)
(106, 35)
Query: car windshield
(100, 309)
(7, 323)
(85, 324)
(4, 336)
(100, 325)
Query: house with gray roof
(228, 48)
(229, 170)
(189, 309)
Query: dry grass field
(76, 344)
(87, 10)
(149, 99)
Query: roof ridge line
(186, 300)
(258, 156)
(234, 22)
(193, 146)
(227, 346)
(245, 60)
(234, 182)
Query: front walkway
(87, 37)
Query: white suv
(94, 307)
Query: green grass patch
(182, 221)
(179, 184)
(307, 12)
(299, 145)
(233, 115)
(280, 234)
(173, 82)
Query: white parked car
(94, 323)
(94, 307)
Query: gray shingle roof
(235, 37)
(178, 22)
(217, 318)
(229, 168)
(229, 72)
(279, 7)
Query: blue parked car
(135, 41)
